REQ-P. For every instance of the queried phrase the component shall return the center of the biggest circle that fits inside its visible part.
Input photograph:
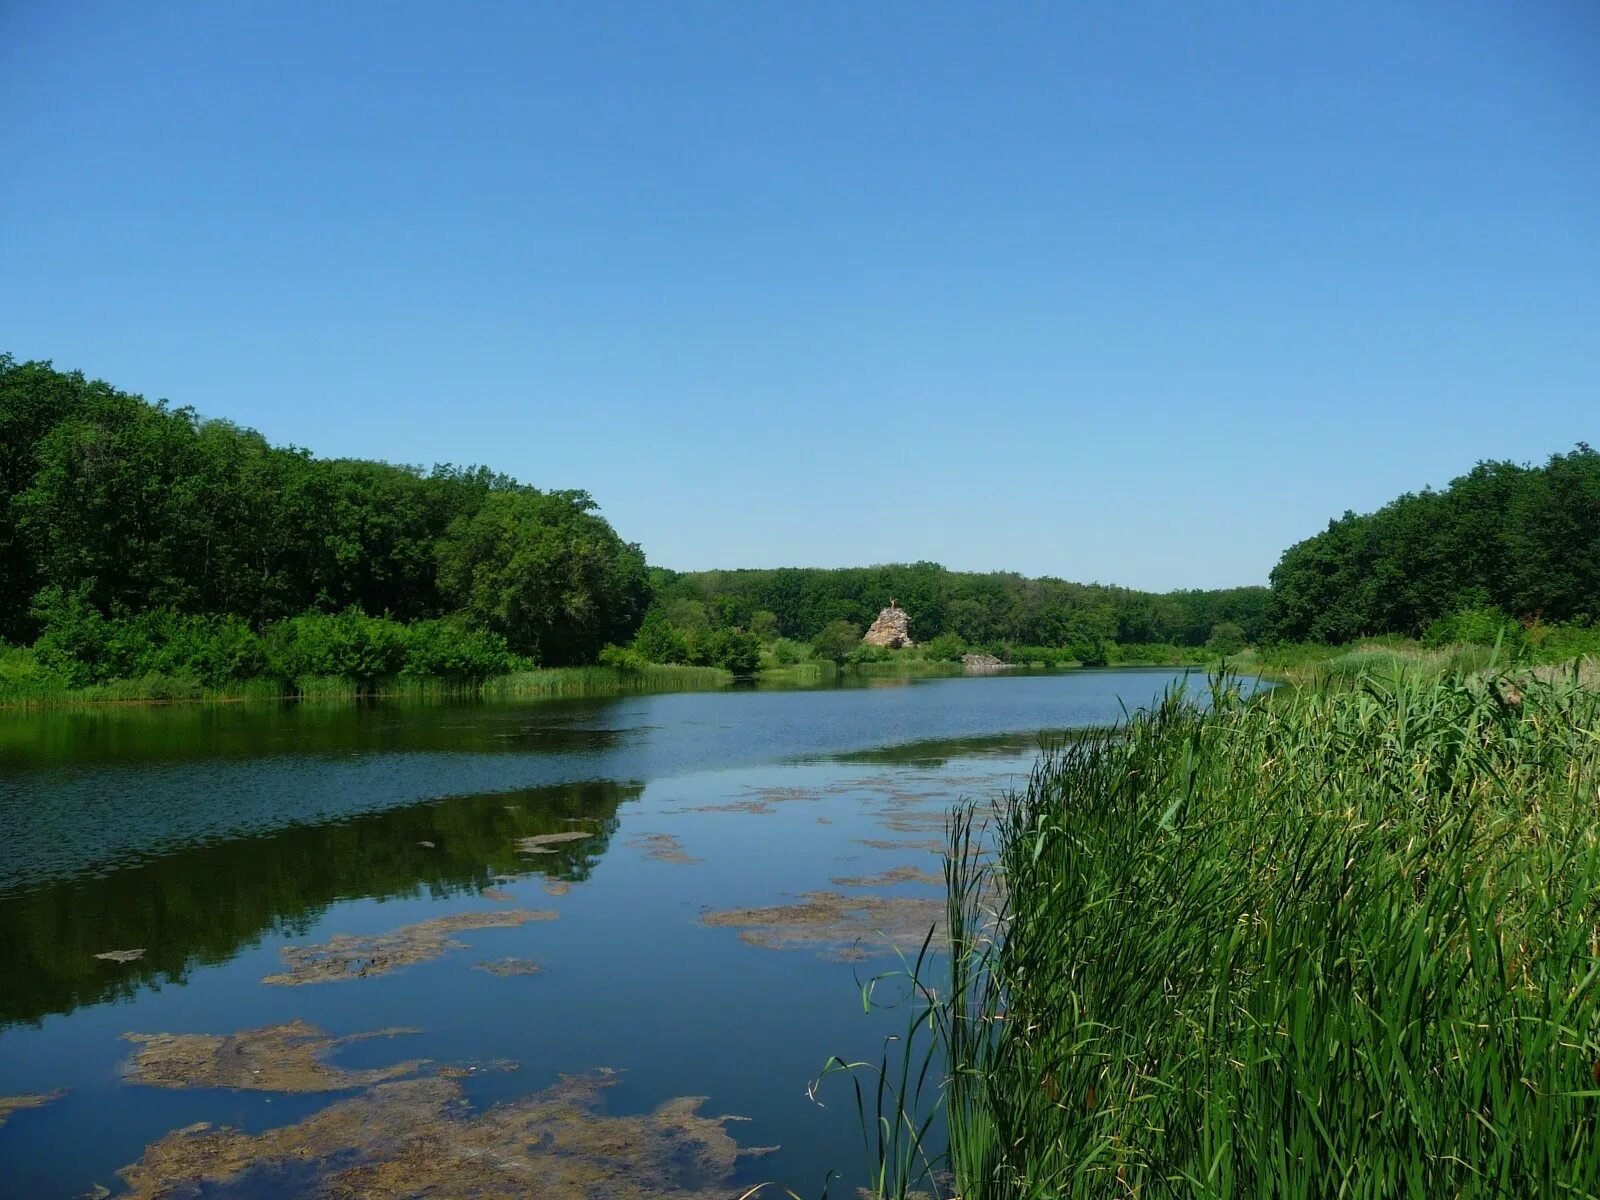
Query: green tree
(1226, 638)
(836, 641)
(764, 624)
(547, 572)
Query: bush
(623, 658)
(836, 641)
(1562, 643)
(1475, 626)
(659, 641)
(455, 650)
(785, 653)
(84, 647)
(350, 644)
(947, 647)
(731, 649)
(1226, 639)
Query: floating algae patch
(662, 847)
(851, 927)
(418, 1138)
(884, 878)
(468, 1070)
(508, 966)
(540, 843)
(349, 956)
(11, 1105)
(911, 820)
(556, 887)
(931, 846)
(498, 895)
(274, 1058)
(744, 806)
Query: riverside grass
(1344, 944)
(548, 682)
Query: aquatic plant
(1345, 943)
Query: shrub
(785, 653)
(350, 644)
(947, 647)
(1477, 626)
(659, 641)
(1226, 638)
(836, 641)
(455, 650)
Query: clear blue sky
(1131, 292)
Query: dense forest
(140, 540)
(133, 531)
(1520, 540)
(980, 609)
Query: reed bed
(604, 681)
(1346, 944)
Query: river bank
(1345, 935)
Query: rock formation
(983, 664)
(891, 629)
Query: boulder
(891, 629)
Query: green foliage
(1523, 540)
(82, 647)
(659, 641)
(836, 642)
(1340, 942)
(947, 647)
(733, 650)
(1480, 626)
(764, 624)
(1226, 638)
(451, 649)
(134, 534)
(785, 653)
(688, 617)
(1163, 654)
(546, 572)
(348, 644)
(980, 609)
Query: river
(579, 933)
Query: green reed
(604, 681)
(1343, 944)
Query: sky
(1138, 293)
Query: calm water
(211, 838)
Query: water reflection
(202, 904)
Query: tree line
(116, 509)
(141, 539)
(979, 609)
(1523, 541)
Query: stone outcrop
(891, 629)
(983, 664)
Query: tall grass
(40, 689)
(604, 681)
(1344, 944)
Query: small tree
(764, 624)
(836, 642)
(1226, 638)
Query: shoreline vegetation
(1344, 941)
(148, 553)
(25, 683)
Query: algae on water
(10, 1105)
(662, 847)
(848, 927)
(417, 1138)
(275, 1058)
(351, 956)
